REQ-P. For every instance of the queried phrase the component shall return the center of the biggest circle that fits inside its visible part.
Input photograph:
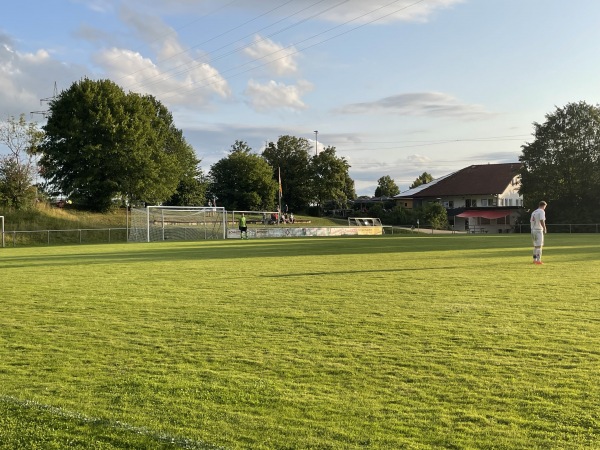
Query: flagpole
(280, 191)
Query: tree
(291, 155)
(435, 215)
(103, 144)
(331, 181)
(386, 187)
(424, 178)
(191, 191)
(17, 169)
(562, 164)
(243, 180)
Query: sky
(397, 87)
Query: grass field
(394, 342)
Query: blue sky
(398, 87)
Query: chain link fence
(562, 228)
(64, 237)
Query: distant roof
(473, 180)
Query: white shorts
(538, 237)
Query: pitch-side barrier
(283, 231)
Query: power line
(211, 39)
(432, 143)
(174, 32)
(206, 59)
(291, 46)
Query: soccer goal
(364, 222)
(177, 223)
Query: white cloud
(281, 60)
(417, 104)
(25, 78)
(100, 6)
(273, 95)
(418, 160)
(192, 85)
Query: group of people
(275, 219)
(278, 218)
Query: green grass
(453, 342)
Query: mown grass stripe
(158, 437)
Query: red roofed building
(480, 198)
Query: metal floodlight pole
(316, 142)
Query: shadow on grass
(29, 424)
(354, 272)
(491, 247)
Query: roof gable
(484, 179)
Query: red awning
(493, 214)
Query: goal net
(364, 222)
(177, 223)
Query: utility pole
(47, 99)
(316, 142)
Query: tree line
(101, 145)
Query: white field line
(115, 424)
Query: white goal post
(364, 222)
(2, 220)
(177, 223)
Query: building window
(471, 203)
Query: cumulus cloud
(274, 95)
(418, 160)
(193, 85)
(173, 73)
(281, 59)
(27, 77)
(434, 104)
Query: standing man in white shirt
(538, 229)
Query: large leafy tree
(424, 178)
(331, 181)
(17, 168)
(243, 180)
(291, 157)
(103, 144)
(386, 187)
(562, 164)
